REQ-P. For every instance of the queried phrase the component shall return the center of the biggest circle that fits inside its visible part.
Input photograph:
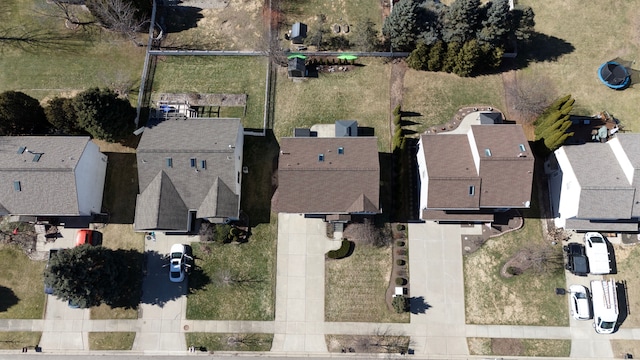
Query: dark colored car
(576, 259)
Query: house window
(36, 157)
(341, 150)
(320, 157)
(203, 164)
(487, 152)
(17, 186)
(193, 162)
(472, 190)
(21, 149)
(169, 162)
(522, 148)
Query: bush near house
(345, 250)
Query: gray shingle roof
(606, 192)
(210, 191)
(47, 186)
(631, 145)
(340, 183)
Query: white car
(177, 265)
(580, 302)
(597, 253)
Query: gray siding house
(187, 170)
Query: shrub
(400, 304)
(401, 281)
(397, 110)
(345, 250)
(400, 262)
(400, 227)
(400, 244)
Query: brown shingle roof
(340, 183)
(495, 160)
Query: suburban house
(328, 177)
(188, 169)
(51, 176)
(468, 177)
(594, 186)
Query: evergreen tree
(460, 21)
(436, 56)
(495, 25)
(62, 115)
(522, 23)
(103, 115)
(20, 114)
(418, 58)
(401, 26)
(467, 58)
(430, 21)
(551, 127)
(451, 56)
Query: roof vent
(17, 186)
(487, 152)
(203, 164)
(36, 157)
(522, 155)
(522, 148)
(192, 162)
(321, 157)
(169, 162)
(341, 150)
(21, 149)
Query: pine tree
(522, 21)
(467, 58)
(20, 114)
(436, 55)
(496, 24)
(460, 21)
(451, 56)
(417, 60)
(103, 115)
(401, 26)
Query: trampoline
(614, 75)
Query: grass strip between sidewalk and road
(111, 340)
(229, 342)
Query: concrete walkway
(302, 244)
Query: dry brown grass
(14, 340)
(236, 26)
(526, 299)
(601, 40)
(375, 343)
(622, 347)
(122, 236)
(519, 347)
(111, 340)
(356, 287)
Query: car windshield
(607, 324)
(176, 255)
(175, 274)
(597, 239)
(580, 295)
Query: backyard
(57, 61)
(361, 94)
(216, 75)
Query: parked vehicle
(85, 236)
(47, 288)
(580, 302)
(598, 253)
(576, 259)
(177, 265)
(605, 305)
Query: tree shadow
(543, 47)
(418, 305)
(157, 289)
(130, 279)
(260, 159)
(7, 298)
(623, 303)
(366, 131)
(180, 18)
(121, 187)
(410, 114)
(34, 39)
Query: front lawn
(526, 299)
(111, 340)
(238, 280)
(21, 285)
(356, 286)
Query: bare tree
(66, 10)
(539, 258)
(117, 15)
(384, 340)
(530, 96)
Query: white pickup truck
(605, 305)
(597, 252)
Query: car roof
(177, 248)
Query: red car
(85, 237)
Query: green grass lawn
(60, 61)
(361, 94)
(219, 75)
(576, 72)
(230, 342)
(14, 340)
(253, 262)
(435, 97)
(355, 287)
(111, 340)
(21, 287)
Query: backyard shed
(297, 68)
(298, 33)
